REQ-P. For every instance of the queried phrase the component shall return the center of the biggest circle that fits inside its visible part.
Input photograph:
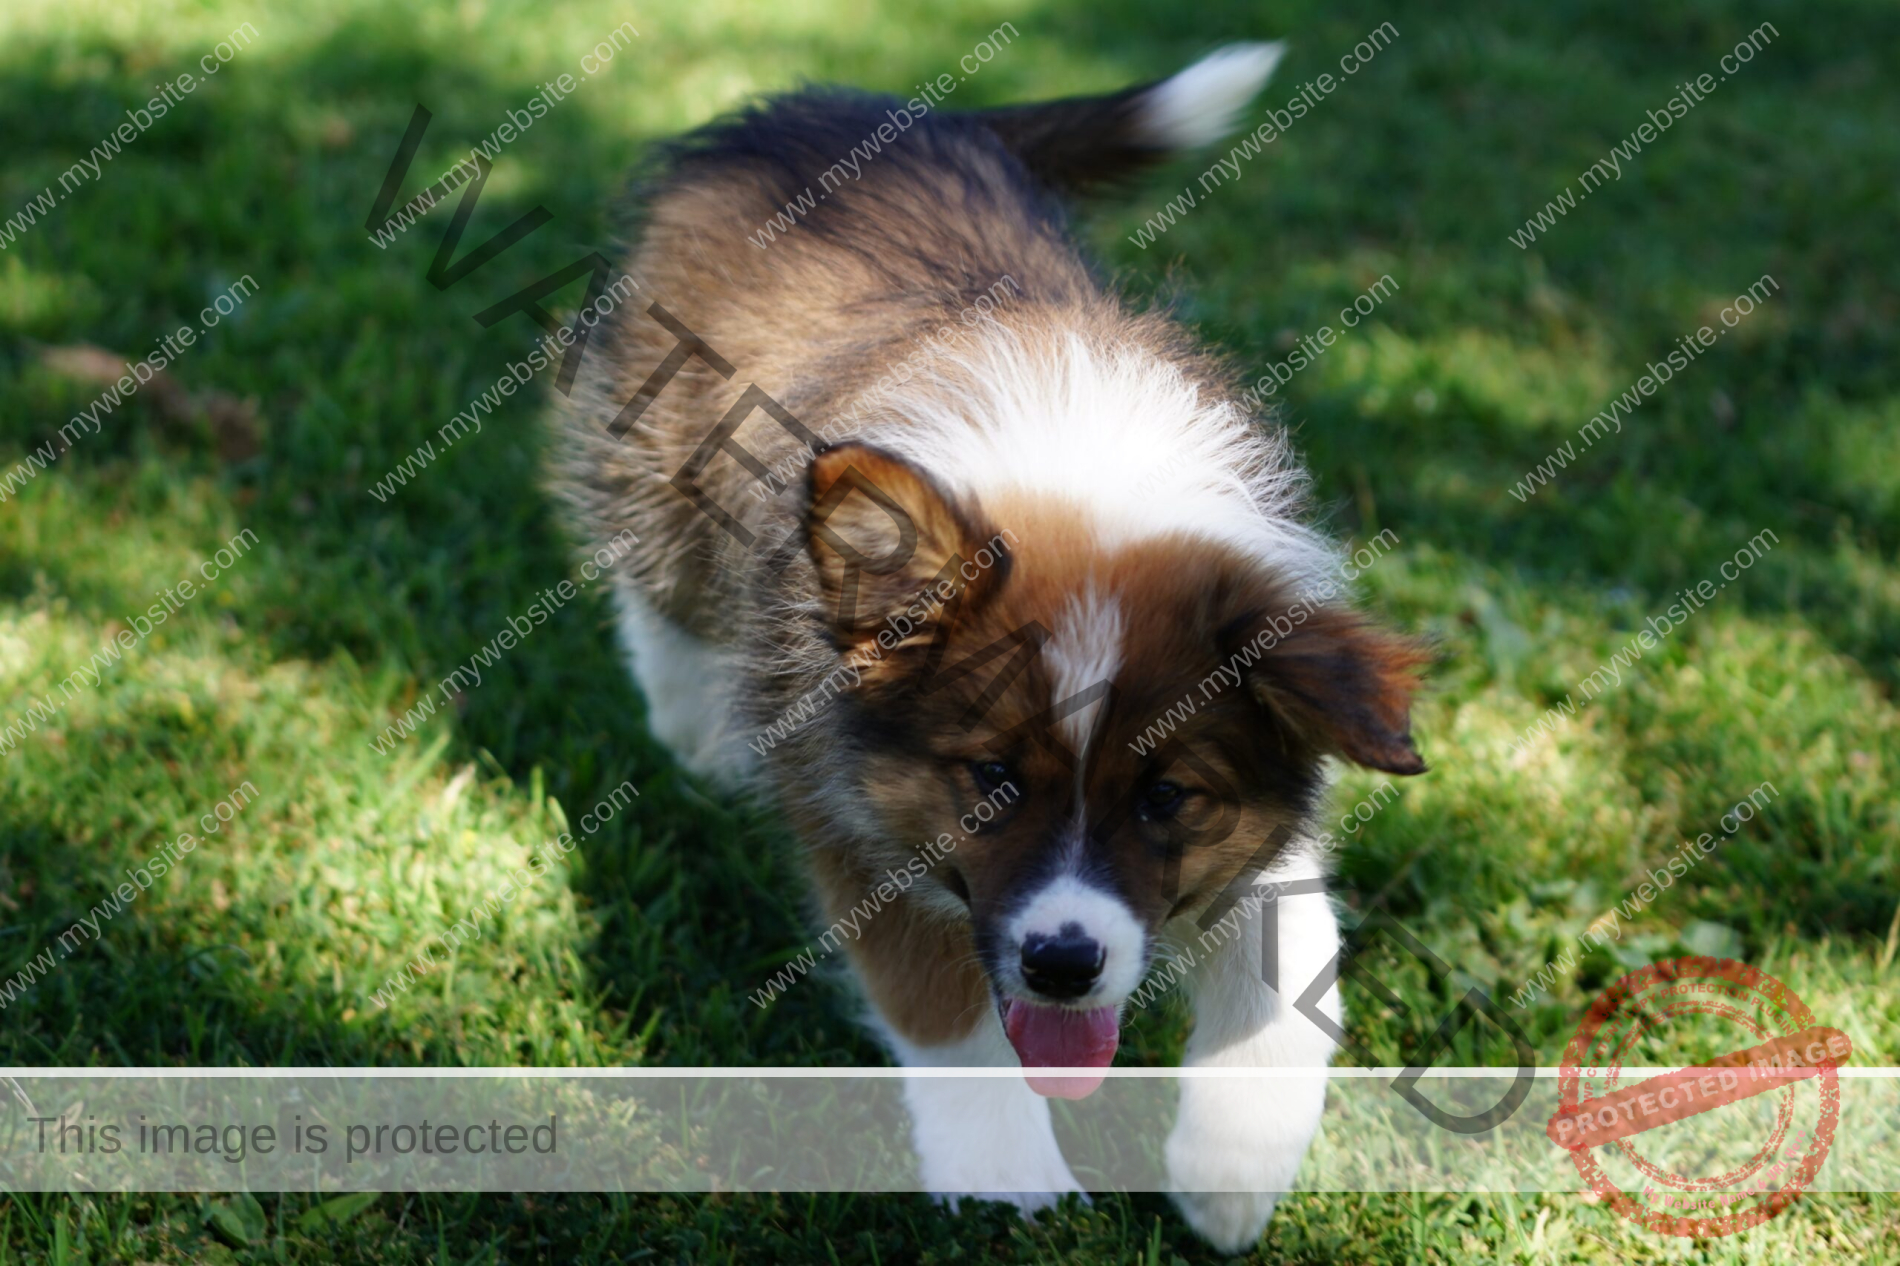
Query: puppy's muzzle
(1064, 966)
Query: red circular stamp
(1719, 1144)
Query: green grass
(263, 948)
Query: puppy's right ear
(892, 549)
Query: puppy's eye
(1162, 800)
(990, 775)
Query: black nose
(1065, 965)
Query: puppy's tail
(1083, 143)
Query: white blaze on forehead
(1085, 651)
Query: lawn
(339, 609)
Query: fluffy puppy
(996, 588)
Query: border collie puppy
(1002, 596)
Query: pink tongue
(1056, 1037)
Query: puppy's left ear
(1343, 685)
(892, 548)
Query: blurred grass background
(264, 947)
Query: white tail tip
(1202, 103)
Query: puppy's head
(1106, 737)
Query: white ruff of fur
(1116, 430)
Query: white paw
(1231, 1221)
(1214, 1181)
(1235, 1150)
(1030, 1175)
(982, 1138)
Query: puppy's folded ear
(893, 550)
(1340, 684)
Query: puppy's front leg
(986, 1138)
(989, 1138)
(1237, 1144)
